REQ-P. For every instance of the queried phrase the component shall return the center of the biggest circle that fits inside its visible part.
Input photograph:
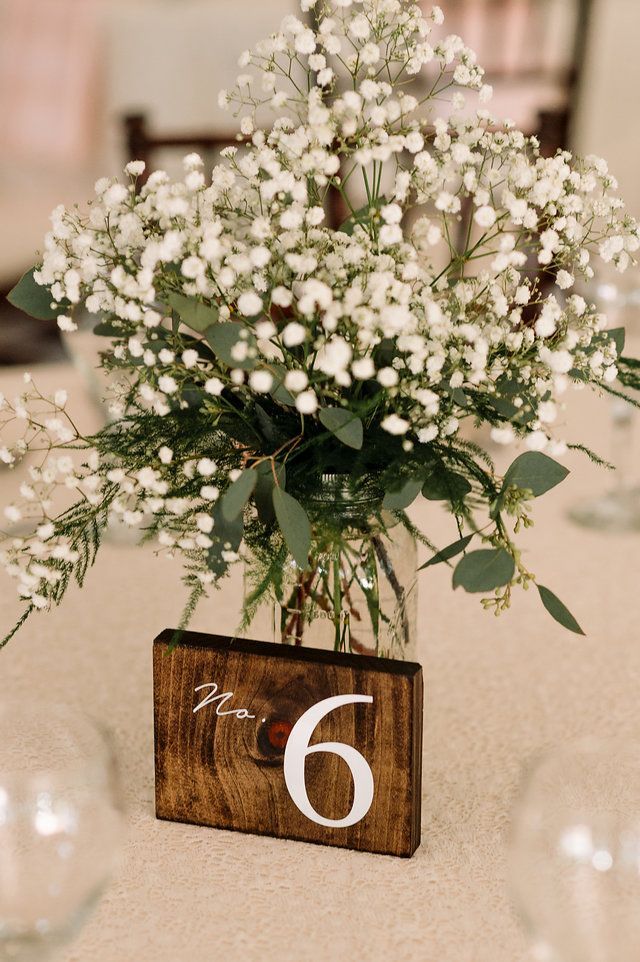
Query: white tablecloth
(496, 690)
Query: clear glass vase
(359, 593)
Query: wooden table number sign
(292, 742)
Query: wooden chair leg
(138, 146)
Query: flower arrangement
(259, 353)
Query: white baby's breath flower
(66, 323)
(390, 234)
(334, 358)
(296, 381)
(293, 334)
(394, 424)
(115, 195)
(192, 162)
(167, 384)
(206, 467)
(547, 412)
(250, 304)
(307, 402)
(363, 368)
(503, 435)
(387, 377)
(261, 381)
(536, 441)
(190, 358)
(425, 435)
(214, 386)
(193, 267)
(391, 213)
(305, 42)
(564, 279)
(135, 347)
(204, 523)
(135, 168)
(485, 216)
(152, 319)
(359, 27)
(281, 297)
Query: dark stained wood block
(226, 713)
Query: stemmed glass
(60, 825)
(617, 509)
(574, 853)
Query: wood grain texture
(226, 771)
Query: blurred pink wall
(50, 68)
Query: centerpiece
(284, 387)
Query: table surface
(497, 690)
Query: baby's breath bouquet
(284, 387)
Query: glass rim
(602, 746)
(588, 744)
(88, 767)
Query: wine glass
(60, 824)
(574, 853)
(617, 509)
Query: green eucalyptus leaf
(193, 312)
(449, 552)
(263, 494)
(602, 339)
(502, 406)
(226, 536)
(294, 525)
(578, 375)
(279, 392)
(558, 611)
(265, 423)
(400, 498)
(443, 485)
(282, 396)
(238, 493)
(617, 335)
(346, 426)
(34, 299)
(535, 471)
(459, 396)
(224, 337)
(484, 570)
(108, 329)
(193, 396)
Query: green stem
(337, 599)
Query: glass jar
(359, 593)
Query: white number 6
(298, 748)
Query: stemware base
(616, 511)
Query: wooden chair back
(532, 51)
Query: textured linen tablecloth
(496, 690)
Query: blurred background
(87, 84)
